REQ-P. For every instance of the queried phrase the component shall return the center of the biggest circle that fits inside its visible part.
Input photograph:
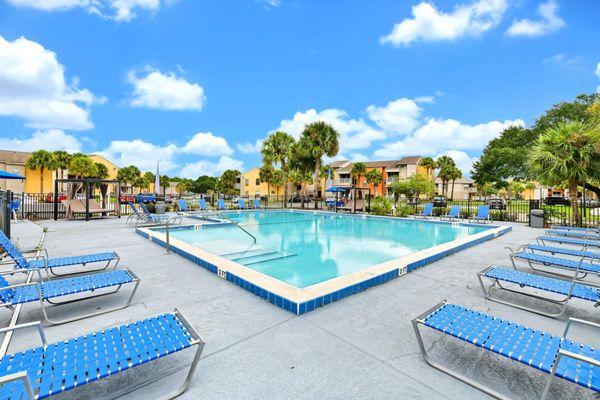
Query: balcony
(342, 182)
(391, 181)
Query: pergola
(351, 190)
(87, 184)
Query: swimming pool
(292, 257)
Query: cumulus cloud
(564, 60)
(165, 92)
(206, 167)
(33, 87)
(207, 144)
(51, 140)
(548, 23)
(430, 24)
(141, 154)
(400, 116)
(248, 147)
(119, 10)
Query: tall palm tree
(320, 139)
(358, 170)
(265, 174)
(446, 165)
(43, 161)
(278, 148)
(568, 152)
(455, 173)
(374, 177)
(62, 159)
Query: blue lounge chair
(427, 211)
(578, 267)
(556, 356)
(202, 206)
(564, 240)
(136, 214)
(241, 204)
(256, 203)
(562, 250)
(157, 219)
(453, 214)
(483, 214)
(574, 234)
(51, 291)
(592, 229)
(182, 205)
(503, 277)
(14, 207)
(51, 369)
(221, 205)
(20, 261)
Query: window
(246, 193)
(257, 182)
(247, 182)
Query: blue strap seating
(483, 214)
(551, 261)
(51, 369)
(563, 250)
(575, 234)
(553, 286)
(241, 204)
(221, 204)
(256, 203)
(156, 219)
(571, 241)
(595, 229)
(557, 356)
(427, 211)
(49, 264)
(50, 291)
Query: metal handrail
(238, 225)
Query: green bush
(381, 206)
(404, 210)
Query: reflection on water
(307, 248)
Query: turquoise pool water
(305, 248)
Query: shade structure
(10, 175)
(334, 189)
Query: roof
(385, 163)
(13, 157)
(338, 163)
(464, 179)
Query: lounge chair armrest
(14, 271)
(35, 324)
(18, 285)
(573, 321)
(579, 357)
(19, 376)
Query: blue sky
(198, 84)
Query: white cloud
(248, 147)
(33, 88)
(399, 116)
(119, 10)
(463, 161)
(550, 22)
(564, 60)
(430, 24)
(52, 139)
(165, 92)
(207, 144)
(272, 3)
(142, 154)
(356, 157)
(439, 135)
(205, 167)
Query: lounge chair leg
(462, 378)
(188, 379)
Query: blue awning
(9, 175)
(334, 189)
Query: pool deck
(362, 347)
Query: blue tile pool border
(312, 304)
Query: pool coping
(303, 300)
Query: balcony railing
(342, 181)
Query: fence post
(55, 200)
(22, 205)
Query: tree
(43, 161)
(183, 186)
(358, 170)
(429, 163)
(455, 173)
(374, 177)
(278, 148)
(204, 184)
(81, 166)
(516, 189)
(319, 139)
(140, 182)
(277, 180)
(127, 175)
(265, 174)
(164, 181)
(446, 165)
(568, 152)
(62, 159)
(228, 181)
(413, 187)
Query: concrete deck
(362, 347)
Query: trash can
(160, 207)
(536, 218)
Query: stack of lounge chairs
(53, 368)
(482, 215)
(563, 265)
(140, 216)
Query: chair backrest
(221, 204)
(256, 203)
(428, 209)
(15, 204)
(241, 203)
(182, 205)
(133, 208)
(5, 295)
(144, 209)
(483, 211)
(454, 211)
(202, 204)
(12, 251)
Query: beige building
(462, 187)
(251, 185)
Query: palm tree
(358, 169)
(455, 173)
(568, 152)
(278, 148)
(429, 163)
(319, 139)
(277, 180)
(265, 174)
(446, 165)
(62, 159)
(41, 160)
(374, 177)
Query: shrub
(404, 210)
(381, 206)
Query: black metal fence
(41, 206)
